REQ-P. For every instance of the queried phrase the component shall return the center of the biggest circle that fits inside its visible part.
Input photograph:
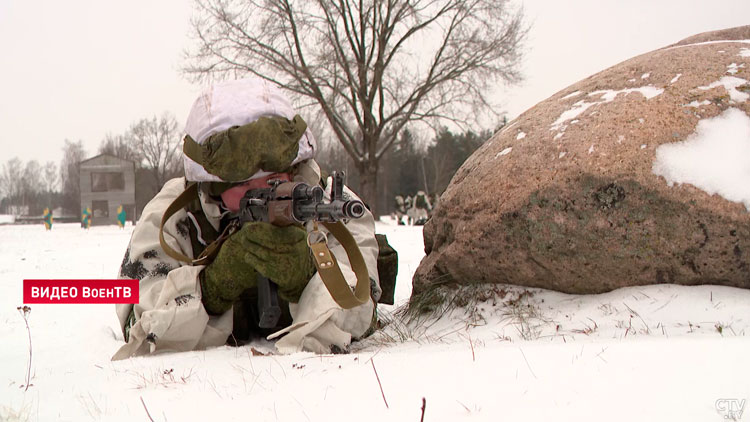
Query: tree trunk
(368, 185)
(385, 186)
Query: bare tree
(31, 185)
(23, 185)
(11, 179)
(50, 177)
(120, 146)
(371, 66)
(157, 142)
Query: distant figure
(422, 208)
(408, 205)
(400, 210)
(47, 219)
(86, 218)
(121, 216)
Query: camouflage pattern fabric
(228, 275)
(282, 255)
(234, 155)
(279, 253)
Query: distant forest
(408, 167)
(26, 189)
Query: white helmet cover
(237, 103)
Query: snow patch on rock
(506, 151)
(521, 135)
(605, 96)
(676, 78)
(730, 83)
(710, 42)
(715, 159)
(509, 125)
(572, 113)
(571, 95)
(733, 68)
(697, 104)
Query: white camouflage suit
(170, 315)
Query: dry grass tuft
(162, 378)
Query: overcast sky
(79, 69)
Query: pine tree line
(410, 165)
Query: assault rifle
(285, 203)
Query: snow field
(647, 353)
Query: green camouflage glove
(229, 274)
(282, 255)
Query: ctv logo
(731, 408)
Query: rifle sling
(325, 261)
(188, 195)
(330, 273)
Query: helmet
(243, 116)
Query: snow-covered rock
(637, 175)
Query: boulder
(591, 189)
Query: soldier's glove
(278, 253)
(282, 255)
(229, 274)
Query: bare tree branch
(157, 142)
(371, 67)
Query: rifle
(282, 204)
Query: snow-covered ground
(649, 353)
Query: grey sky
(573, 39)
(79, 69)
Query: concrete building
(106, 183)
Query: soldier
(409, 206)
(240, 134)
(422, 208)
(400, 209)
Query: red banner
(80, 291)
